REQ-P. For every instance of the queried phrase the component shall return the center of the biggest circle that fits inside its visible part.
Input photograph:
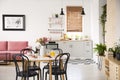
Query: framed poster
(14, 22)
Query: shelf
(55, 29)
(55, 25)
(55, 21)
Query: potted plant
(42, 41)
(100, 49)
(113, 50)
(103, 20)
(116, 51)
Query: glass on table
(52, 53)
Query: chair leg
(56, 77)
(60, 77)
(27, 78)
(33, 77)
(66, 76)
(16, 77)
(43, 73)
(45, 76)
(38, 77)
(40, 74)
(24, 78)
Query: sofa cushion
(3, 45)
(1, 52)
(17, 45)
(14, 52)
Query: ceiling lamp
(61, 13)
(82, 12)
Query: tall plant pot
(101, 54)
(114, 55)
(42, 50)
(118, 56)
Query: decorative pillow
(3, 45)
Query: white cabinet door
(81, 49)
(114, 71)
(65, 46)
(88, 50)
(77, 49)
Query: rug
(81, 61)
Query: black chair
(22, 67)
(62, 63)
(33, 66)
(51, 45)
(58, 51)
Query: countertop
(114, 60)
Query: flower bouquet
(42, 40)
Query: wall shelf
(55, 21)
(55, 25)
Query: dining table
(40, 59)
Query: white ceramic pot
(42, 50)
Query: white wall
(95, 21)
(95, 24)
(37, 13)
(113, 22)
(118, 19)
(96, 29)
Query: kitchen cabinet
(77, 48)
(112, 68)
(114, 71)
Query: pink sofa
(11, 47)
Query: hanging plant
(103, 19)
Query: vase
(114, 55)
(42, 50)
(118, 56)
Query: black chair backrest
(51, 45)
(62, 60)
(24, 62)
(26, 50)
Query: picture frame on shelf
(13, 22)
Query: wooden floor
(75, 72)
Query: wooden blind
(74, 19)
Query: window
(74, 19)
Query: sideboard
(77, 48)
(112, 68)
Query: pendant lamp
(82, 12)
(61, 13)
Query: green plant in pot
(103, 20)
(100, 49)
(116, 51)
(118, 54)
